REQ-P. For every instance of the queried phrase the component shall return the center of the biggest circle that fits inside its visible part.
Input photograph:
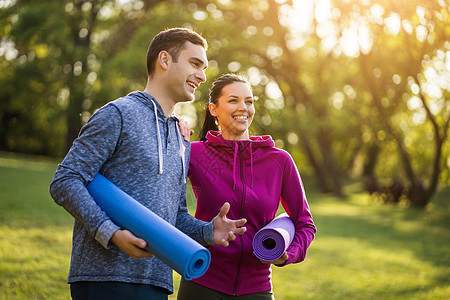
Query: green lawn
(362, 250)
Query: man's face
(187, 73)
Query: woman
(229, 165)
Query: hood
(146, 98)
(249, 147)
(215, 139)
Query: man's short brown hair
(171, 40)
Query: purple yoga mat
(271, 241)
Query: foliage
(29, 88)
(349, 88)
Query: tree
(349, 88)
(29, 83)
(383, 47)
(50, 55)
(400, 92)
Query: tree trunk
(74, 109)
(319, 174)
(329, 166)
(371, 160)
(77, 79)
(419, 195)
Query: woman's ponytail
(208, 124)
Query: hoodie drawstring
(236, 146)
(160, 153)
(181, 145)
(182, 151)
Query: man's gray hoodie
(144, 156)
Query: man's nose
(201, 75)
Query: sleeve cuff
(105, 232)
(208, 233)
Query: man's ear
(164, 59)
(212, 109)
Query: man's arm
(96, 143)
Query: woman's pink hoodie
(253, 176)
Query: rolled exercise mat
(169, 244)
(271, 241)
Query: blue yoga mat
(173, 247)
(271, 241)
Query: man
(136, 143)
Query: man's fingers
(224, 210)
(240, 230)
(240, 222)
(140, 243)
(147, 254)
(141, 251)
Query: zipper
(244, 189)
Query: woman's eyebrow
(234, 96)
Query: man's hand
(225, 229)
(185, 130)
(279, 262)
(130, 244)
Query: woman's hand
(185, 130)
(225, 230)
(279, 262)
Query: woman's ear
(163, 59)
(212, 109)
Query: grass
(35, 234)
(362, 250)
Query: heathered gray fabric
(120, 142)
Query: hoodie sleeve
(198, 230)
(294, 201)
(95, 144)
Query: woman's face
(234, 111)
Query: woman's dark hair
(210, 122)
(171, 40)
